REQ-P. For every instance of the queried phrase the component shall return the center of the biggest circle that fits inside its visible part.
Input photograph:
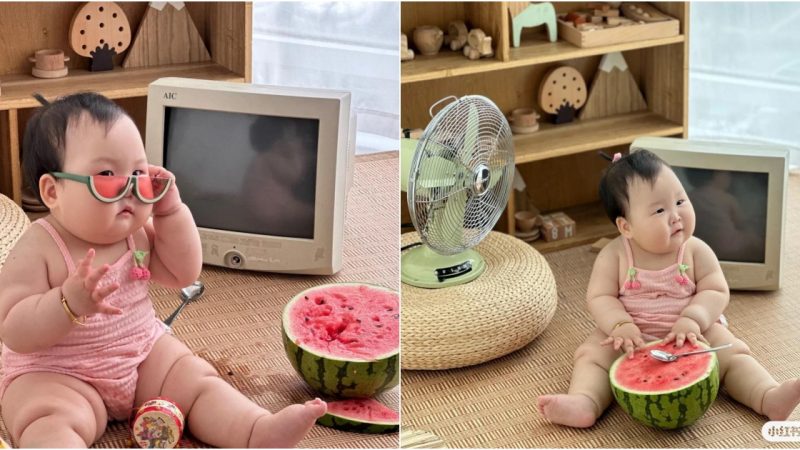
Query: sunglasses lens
(152, 188)
(109, 187)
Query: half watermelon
(360, 416)
(344, 339)
(666, 395)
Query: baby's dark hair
(618, 176)
(46, 133)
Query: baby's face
(661, 217)
(90, 150)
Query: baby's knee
(36, 418)
(739, 348)
(586, 353)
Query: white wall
(337, 45)
(744, 72)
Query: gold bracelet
(619, 324)
(71, 314)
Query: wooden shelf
(451, 64)
(591, 224)
(581, 136)
(115, 84)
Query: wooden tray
(619, 34)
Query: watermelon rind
(669, 410)
(337, 377)
(356, 425)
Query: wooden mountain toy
(614, 91)
(167, 35)
(99, 30)
(563, 93)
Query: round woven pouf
(501, 311)
(13, 222)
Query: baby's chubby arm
(32, 317)
(712, 294)
(176, 257)
(608, 312)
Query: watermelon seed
(390, 309)
(379, 326)
(376, 318)
(307, 319)
(676, 379)
(396, 316)
(350, 308)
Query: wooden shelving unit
(226, 29)
(558, 162)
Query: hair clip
(40, 99)
(617, 157)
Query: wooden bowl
(428, 39)
(525, 220)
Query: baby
(657, 281)
(81, 342)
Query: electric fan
(457, 186)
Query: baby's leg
(589, 390)
(44, 409)
(217, 413)
(748, 382)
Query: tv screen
(731, 210)
(244, 172)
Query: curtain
(336, 45)
(744, 73)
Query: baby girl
(656, 281)
(81, 342)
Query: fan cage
(452, 203)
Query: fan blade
(448, 215)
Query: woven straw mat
(13, 222)
(236, 324)
(499, 312)
(494, 404)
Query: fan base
(422, 267)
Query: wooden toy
(643, 12)
(49, 63)
(614, 90)
(406, 54)
(457, 34)
(428, 39)
(533, 15)
(158, 423)
(478, 45)
(524, 121)
(99, 30)
(557, 226)
(166, 35)
(527, 220)
(563, 93)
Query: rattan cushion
(501, 311)
(13, 222)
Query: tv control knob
(234, 259)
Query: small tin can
(157, 424)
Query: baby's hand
(172, 201)
(83, 295)
(627, 337)
(683, 329)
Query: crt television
(738, 192)
(264, 169)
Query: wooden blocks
(478, 45)
(557, 226)
(643, 12)
(166, 35)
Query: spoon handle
(168, 321)
(721, 347)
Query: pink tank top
(107, 351)
(655, 298)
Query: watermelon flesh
(349, 321)
(666, 395)
(344, 339)
(360, 416)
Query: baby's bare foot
(286, 427)
(573, 410)
(780, 401)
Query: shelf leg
(510, 210)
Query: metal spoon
(661, 355)
(188, 294)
